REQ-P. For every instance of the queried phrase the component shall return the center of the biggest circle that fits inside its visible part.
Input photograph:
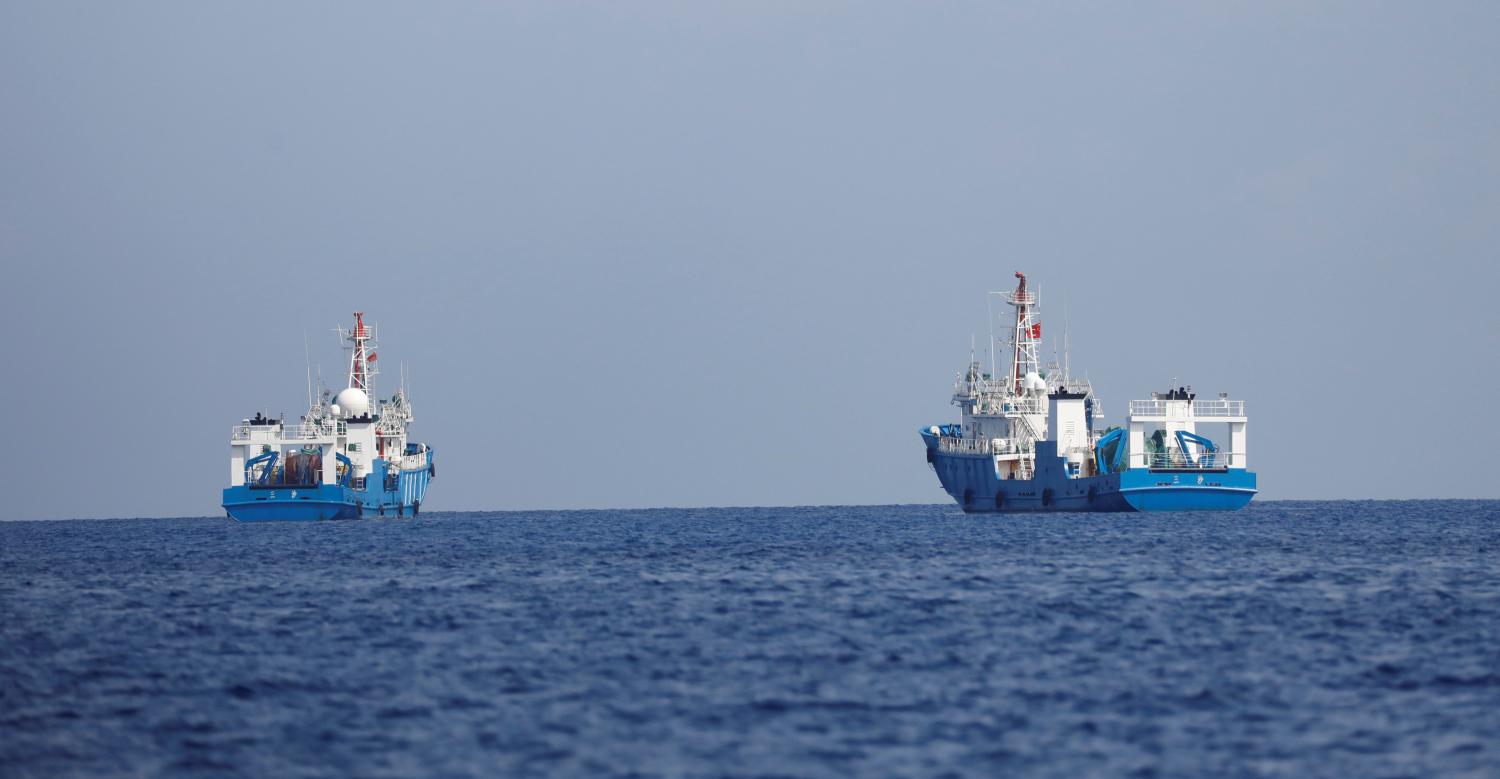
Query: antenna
(1055, 361)
(307, 355)
(1066, 374)
(989, 303)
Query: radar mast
(361, 343)
(1025, 336)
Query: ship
(348, 457)
(1029, 439)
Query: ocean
(1291, 639)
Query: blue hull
(973, 483)
(306, 504)
(322, 502)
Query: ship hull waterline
(971, 480)
(325, 502)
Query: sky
(718, 254)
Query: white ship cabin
(335, 443)
(1166, 432)
(1005, 418)
(304, 454)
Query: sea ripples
(1290, 639)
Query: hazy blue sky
(721, 254)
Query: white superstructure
(353, 425)
(1180, 410)
(1006, 416)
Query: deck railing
(245, 432)
(1199, 408)
(1219, 408)
(1205, 461)
(953, 445)
(998, 404)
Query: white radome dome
(1034, 382)
(353, 402)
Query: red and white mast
(361, 342)
(1027, 333)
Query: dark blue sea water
(1290, 639)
